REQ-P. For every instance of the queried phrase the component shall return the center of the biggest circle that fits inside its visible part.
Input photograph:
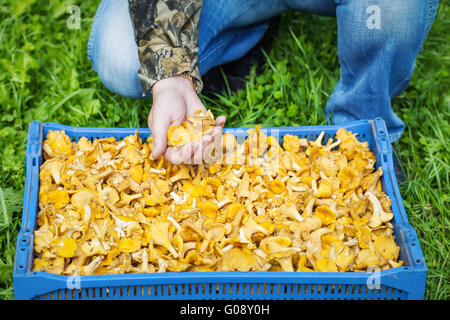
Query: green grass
(45, 75)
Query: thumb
(159, 132)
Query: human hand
(173, 99)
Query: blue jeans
(378, 42)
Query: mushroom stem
(91, 267)
(308, 208)
(318, 141)
(331, 146)
(87, 214)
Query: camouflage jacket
(166, 33)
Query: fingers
(190, 153)
(217, 136)
(194, 104)
(210, 155)
(220, 121)
(174, 156)
(198, 151)
(205, 143)
(159, 130)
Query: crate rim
(330, 127)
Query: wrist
(179, 82)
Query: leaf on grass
(10, 202)
(4, 217)
(5, 271)
(19, 7)
(93, 107)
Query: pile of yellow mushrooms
(106, 207)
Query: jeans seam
(94, 26)
(406, 79)
(223, 42)
(427, 29)
(211, 51)
(231, 18)
(220, 44)
(240, 13)
(429, 22)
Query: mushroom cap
(291, 143)
(277, 186)
(325, 214)
(83, 197)
(386, 247)
(180, 135)
(109, 194)
(368, 258)
(350, 178)
(241, 259)
(93, 247)
(57, 145)
(208, 208)
(159, 232)
(191, 130)
(129, 245)
(59, 198)
(182, 173)
(54, 167)
(68, 248)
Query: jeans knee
(387, 36)
(118, 70)
(407, 22)
(114, 51)
(390, 24)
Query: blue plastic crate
(406, 282)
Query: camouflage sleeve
(166, 33)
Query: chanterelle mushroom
(54, 167)
(192, 129)
(82, 201)
(378, 216)
(241, 259)
(279, 248)
(314, 243)
(291, 212)
(250, 227)
(91, 267)
(107, 207)
(159, 232)
(58, 145)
